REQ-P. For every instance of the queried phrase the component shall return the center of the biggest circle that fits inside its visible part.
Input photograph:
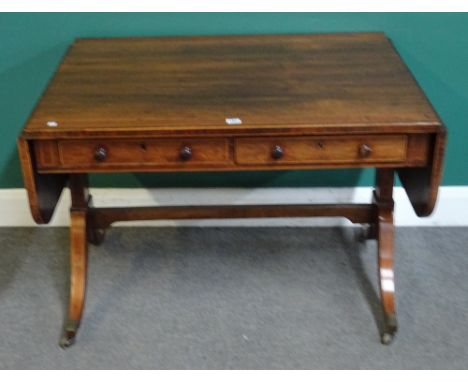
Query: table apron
(231, 154)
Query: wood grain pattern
(78, 257)
(275, 82)
(321, 150)
(43, 190)
(227, 154)
(383, 199)
(144, 152)
(356, 213)
(422, 184)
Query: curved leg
(78, 262)
(78, 257)
(386, 282)
(385, 237)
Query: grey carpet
(163, 298)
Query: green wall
(435, 47)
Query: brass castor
(390, 329)
(386, 338)
(366, 232)
(66, 341)
(96, 236)
(69, 334)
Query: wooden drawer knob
(185, 153)
(100, 153)
(365, 150)
(277, 152)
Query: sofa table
(228, 103)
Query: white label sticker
(234, 121)
(52, 124)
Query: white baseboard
(451, 209)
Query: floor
(234, 298)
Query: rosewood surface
(230, 103)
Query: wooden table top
(315, 82)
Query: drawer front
(326, 150)
(169, 152)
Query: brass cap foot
(69, 334)
(386, 338)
